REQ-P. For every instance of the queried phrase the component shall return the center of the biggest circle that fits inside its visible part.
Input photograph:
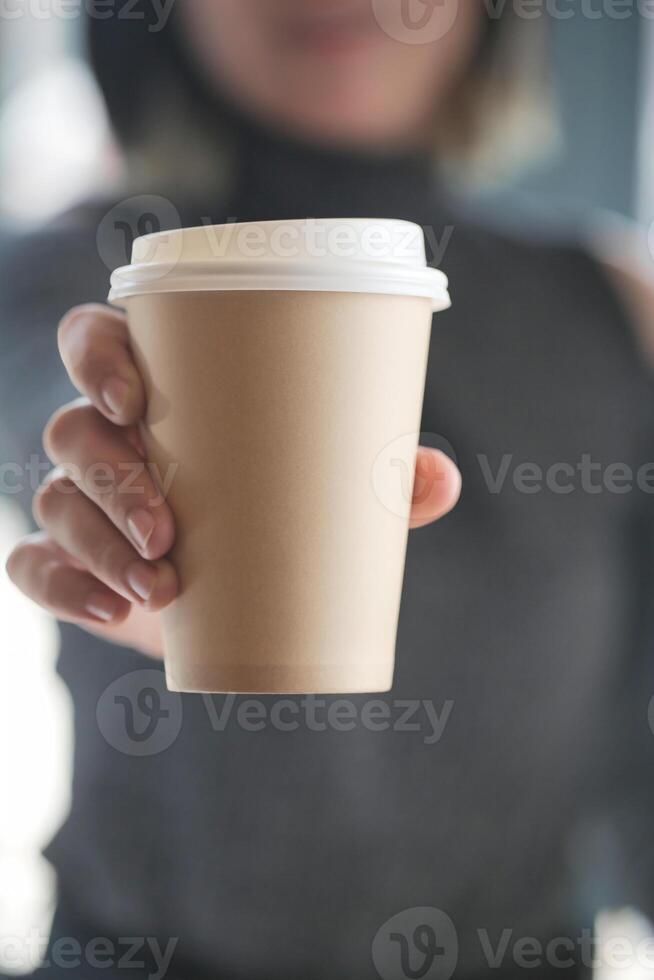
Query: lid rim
(198, 259)
(425, 287)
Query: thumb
(436, 488)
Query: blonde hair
(503, 114)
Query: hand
(99, 559)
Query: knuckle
(49, 497)
(42, 504)
(86, 339)
(76, 316)
(23, 557)
(14, 560)
(64, 426)
(68, 320)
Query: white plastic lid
(362, 255)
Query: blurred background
(56, 149)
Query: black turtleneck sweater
(516, 732)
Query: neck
(279, 176)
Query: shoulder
(588, 275)
(625, 253)
(513, 247)
(548, 249)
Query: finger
(109, 470)
(94, 346)
(85, 533)
(436, 488)
(41, 570)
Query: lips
(331, 25)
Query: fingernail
(114, 394)
(141, 579)
(101, 606)
(141, 525)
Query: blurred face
(370, 73)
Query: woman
(276, 853)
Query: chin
(341, 128)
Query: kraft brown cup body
(271, 407)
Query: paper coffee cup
(281, 360)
